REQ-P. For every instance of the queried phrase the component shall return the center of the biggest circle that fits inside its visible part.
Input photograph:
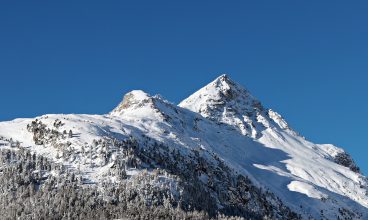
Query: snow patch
(307, 189)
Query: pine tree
(70, 134)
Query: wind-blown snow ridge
(221, 119)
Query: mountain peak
(132, 100)
(138, 95)
(218, 93)
(228, 102)
(139, 104)
(224, 83)
(223, 78)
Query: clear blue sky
(307, 60)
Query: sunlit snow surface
(225, 119)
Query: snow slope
(306, 168)
(222, 119)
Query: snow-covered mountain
(219, 153)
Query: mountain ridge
(221, 126)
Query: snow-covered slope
(222, 125)
(306, 168)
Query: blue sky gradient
(304, 59)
